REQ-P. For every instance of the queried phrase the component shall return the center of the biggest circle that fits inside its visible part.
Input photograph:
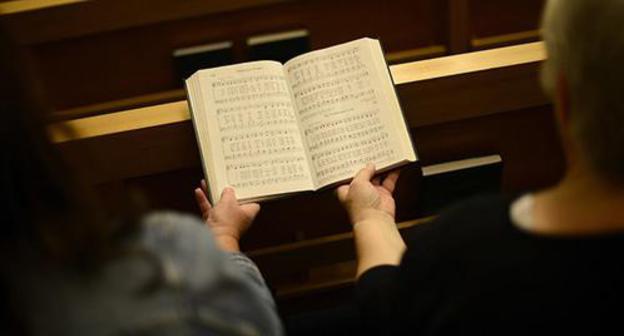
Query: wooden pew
(480, 103)
(485, 24)
(120, 49)
(494, 23)
(117, 54)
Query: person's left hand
(228, 220)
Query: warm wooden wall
(495, 22)
(120, 51)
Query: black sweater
(472, 272)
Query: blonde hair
(585, 42)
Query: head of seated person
(72, 265)
(583, 75)
(48, 208)
(49, 217)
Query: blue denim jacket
(183, 285)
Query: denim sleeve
(248, 267)
(225, 290)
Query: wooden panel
(459, 33)
(14, 7)
(444, 66)
(101, 56)
(510, 21)
(67, 19)
(305, 255)
(407, 77)
(506, 39)
(137, 61)
(471, 95)
(119, 105)
(90, 45)
(526, 139)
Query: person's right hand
(365, 199)
(371, 208)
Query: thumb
(228, 196)
(342, 193)
(251, 210)
(365, 174)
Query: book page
(348, 110)
(254, 143)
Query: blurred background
(99, 56)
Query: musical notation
(339, 159)
(340, 111)
(260, 143)
(249, 88)
(319, 68)
(259, 115)
(344, 129)
(259, 173)
(259, 134)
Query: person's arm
(371, 209)
(227, 220)
(215, 291)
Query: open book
(269, 129)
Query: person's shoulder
(182, 243)
(217, 282)
(168, 222)
(478, 208)
(461, 223)
(476, 218)
(175, 232)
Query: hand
(227, 219)
(365, 199)
(371, 208)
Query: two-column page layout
(269, 129)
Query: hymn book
(269, 129)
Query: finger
(203, 190)
(390, 181)
(204, 186)
(228, 196)
(202, 201)
(342, 193)
(365, 174)
(251, 210)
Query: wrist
(227, 243)
(371, 215)
(377, 242)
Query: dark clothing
(473, 272)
